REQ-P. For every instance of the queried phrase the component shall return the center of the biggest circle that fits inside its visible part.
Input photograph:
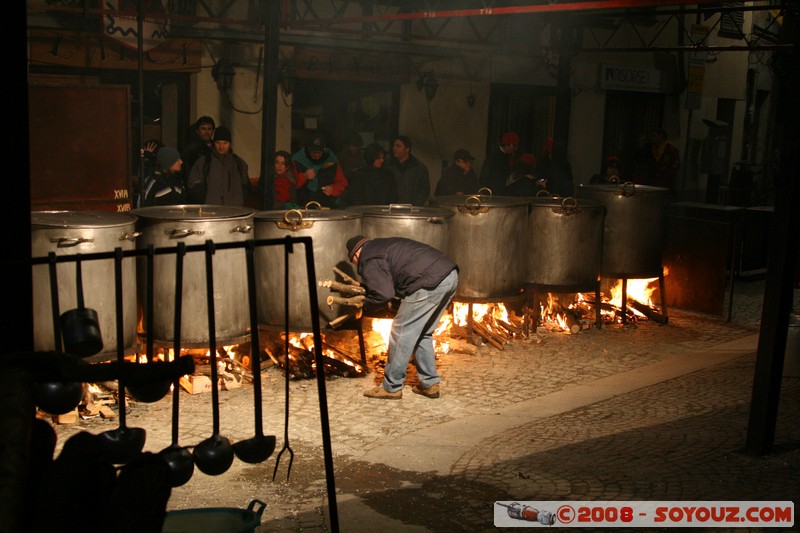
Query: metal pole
(140, 67)
(269, 109)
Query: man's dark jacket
(395, 267)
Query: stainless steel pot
(329, 230)
(487, 240)
(565, 242)
(165, 227)
(430, 225)
(634, 229)
(84, 232)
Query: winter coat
(411, 179)
(395, 267)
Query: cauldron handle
(628, 189)
(487, 189)
(473, 203)
(313, 203)
(288, 219)
(569, 204)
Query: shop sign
(621, 78)
(120, 22)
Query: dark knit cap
(354, 244)
(316, 143)
(222, 134)
(166, 157)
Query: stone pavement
(642, 411)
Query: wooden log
(510, 327)
(459, 346)
(647, 311)
(353, 301)
(342, 354)
(486, 335)
(352, 315)
(342, 288)
(347, 279)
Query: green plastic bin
(215, 519)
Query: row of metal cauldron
(500, 244)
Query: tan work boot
(430, 392)
(383, 394)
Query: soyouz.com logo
(644, 514)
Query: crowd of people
(208, 171)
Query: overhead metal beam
(565, 7)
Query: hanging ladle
(259, 447)
(121, 445)
(214, 455)
(286, 447)
(81, 327)
(56, 397)
(153, 391)
(179, 458)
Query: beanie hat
(316, 143)
(167, 157)
(222, 134)
(510, 138)
(354, 244)
(462, 154)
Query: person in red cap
(500, 164)
(425, 281)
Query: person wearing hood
(319, 174)
(371, 184)
(163, 184)
(219, 177)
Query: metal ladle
(56, 397)
(178, 458)
(81, 327)
(121, 445)
(258, 448)
(214, 455)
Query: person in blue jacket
(424, 280)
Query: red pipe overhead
(510, 10)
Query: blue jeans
(412, 333)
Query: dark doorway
(525, 109)
(629, 116)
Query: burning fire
(580, 313)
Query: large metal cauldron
(487, 240)
(84, 232)
(329, 230)
(635, 228)
(565, 242)
(430, 225)
(165, 227)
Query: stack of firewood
(486, 330)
